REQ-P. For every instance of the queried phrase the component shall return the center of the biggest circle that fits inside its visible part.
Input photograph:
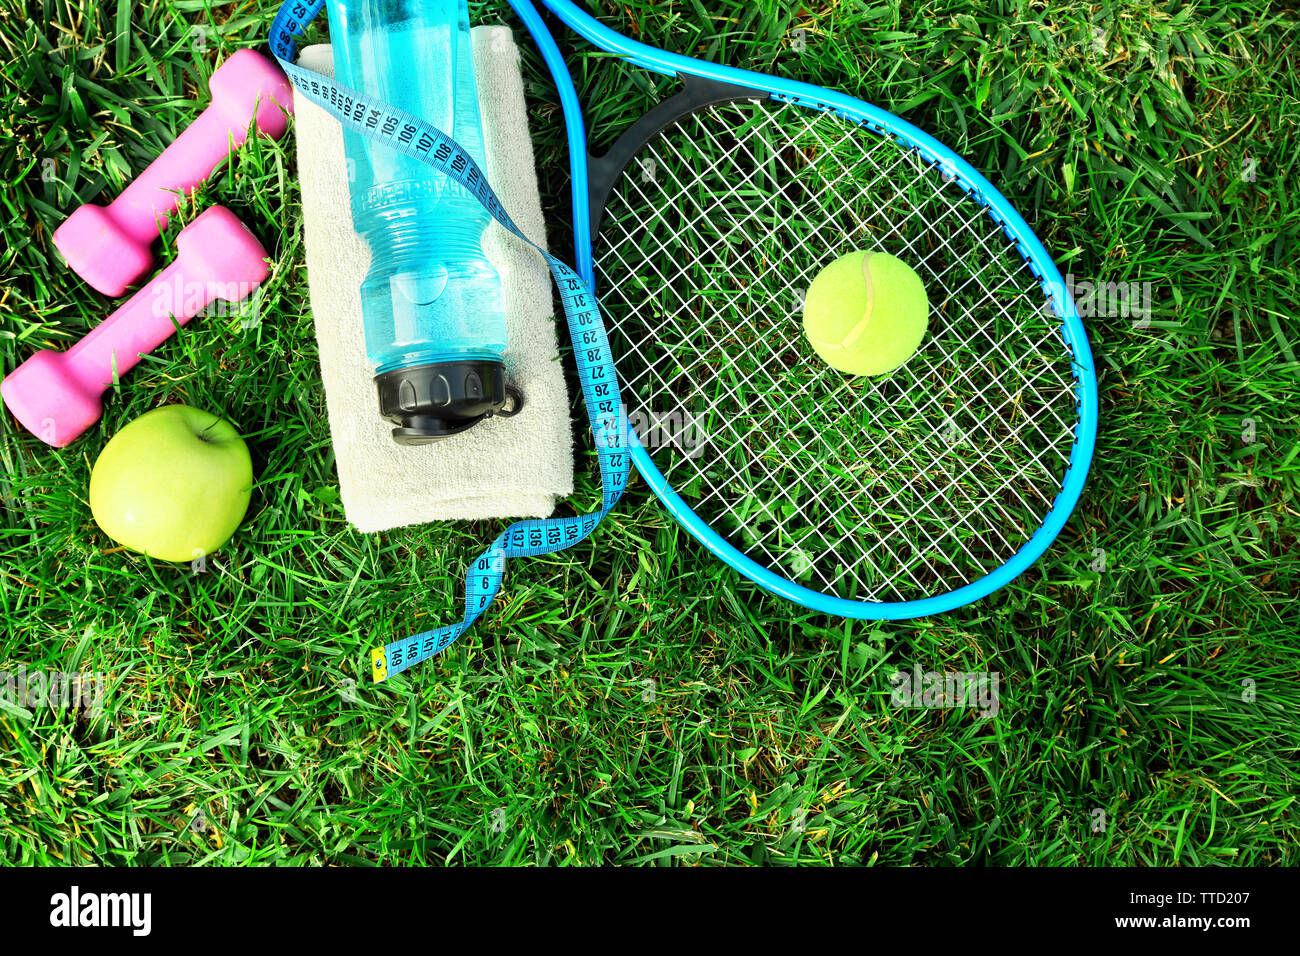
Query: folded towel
(502, 467)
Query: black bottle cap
(428, 402)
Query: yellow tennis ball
(866, 313)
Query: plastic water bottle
(431, 302)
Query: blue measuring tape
(414, 137)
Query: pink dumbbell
(108, 246)
(57, 395)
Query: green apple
(173, 484)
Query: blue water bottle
(431, 302)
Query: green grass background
(1161, 690)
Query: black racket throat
(697, 93)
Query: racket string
(845, 483)
(816, 497)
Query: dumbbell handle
(190, 159)
(145, 321)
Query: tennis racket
(699, 230)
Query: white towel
(502, 467)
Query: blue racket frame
(885, 124)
